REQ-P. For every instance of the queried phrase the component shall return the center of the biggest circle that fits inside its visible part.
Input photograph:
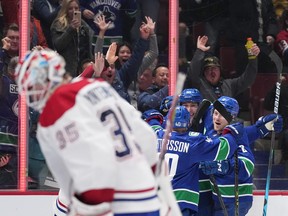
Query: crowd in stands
(132, 35)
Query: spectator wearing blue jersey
(186, 149)
(9, 127)
(225, 177)
(120, 14)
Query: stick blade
(203, 107)
(221, 109)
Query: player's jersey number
(115, 121)
(117, 124)
(172, 161)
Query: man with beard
(205, 74)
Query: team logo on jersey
(13, 89)
(193, 134)
(208, 139)
(15, 107)
(109, 16)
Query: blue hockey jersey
(8, 115)
(184, 151)
(226, 183)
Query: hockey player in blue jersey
(224, 171)
(186, 149)
(190, 98)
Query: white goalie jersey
(92, 139)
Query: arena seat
(263, 83)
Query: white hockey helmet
(37, 74)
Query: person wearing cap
(205, 74)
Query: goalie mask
(38, 74)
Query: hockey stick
(204, 105)
(165, 191)
(275, 58)
(179, 85)
(236, 189)
(221, 109)
(218, 106)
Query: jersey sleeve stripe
(249, 165)
(223, 150)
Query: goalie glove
(271, 122)
(215, 167)
(236, 130)
(153, 117)
(77, 208)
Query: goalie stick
(278, 62)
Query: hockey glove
(236, 130)
(215, 167)
(268, 123)
(165, 105)
(152, 117)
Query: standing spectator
(152, 97)
(145, 8)
(205, 74)
(9, 128)
(210, 15)
(122, 78)
(46, 11)
(75, 152)
(255, 19)
(71, 37)
(117, 12)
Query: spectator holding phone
(71, 36)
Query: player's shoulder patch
(193, 133)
